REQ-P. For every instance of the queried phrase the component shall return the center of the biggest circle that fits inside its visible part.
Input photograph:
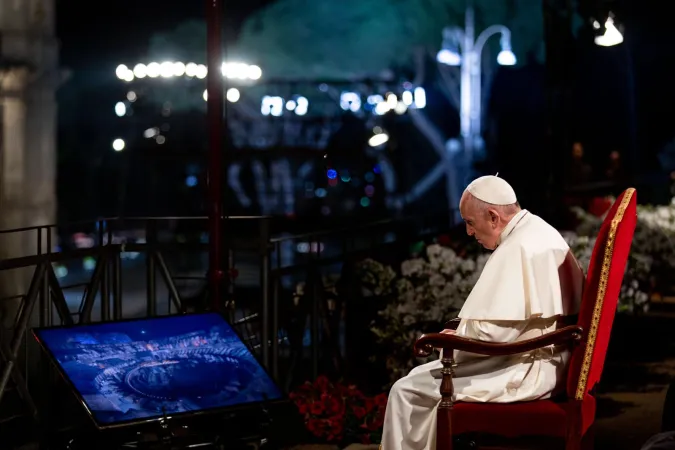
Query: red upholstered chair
(567, 418)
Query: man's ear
(494, 217)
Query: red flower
(315, 426)
(333, 405)
(337, 425)
(322, 383)
(359, 412)
(316, 408)
(381, 400)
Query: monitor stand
(231, 431)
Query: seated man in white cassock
(530, 282)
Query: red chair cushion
(539, 418)
(602, 288)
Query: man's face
(577, 150)
(482, 224)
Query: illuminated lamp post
(469, 60)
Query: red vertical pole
(214, 107)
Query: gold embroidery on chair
(600, 297)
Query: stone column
(13, 189)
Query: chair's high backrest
(601, 294)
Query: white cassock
(528, 282)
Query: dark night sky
(95, 37)
(105, 33)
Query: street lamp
(612, 36)
(455, 39)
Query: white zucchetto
(492, 189)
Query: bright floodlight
(301, 107)
(448, 57)
(254, 72)
(612, 35)
(140, 71)
(232, 95)
(201, 71)
(205, 95)
(378, 139)
(120, 109)
(178, 69)
(121, 71)
(153, 70)
(118, 145)
(166, 69)
(191, 69)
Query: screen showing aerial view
(150, 368)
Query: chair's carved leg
(444, 414)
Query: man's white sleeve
(493, 331)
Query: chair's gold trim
(600, 298)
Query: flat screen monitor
(143, 370)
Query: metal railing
(264, 320)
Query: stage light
(350, 101)
(153, 70)
(191, 69)
(378, 139)
(233, 95)
(121, 71)
(166, 69)
(118, 145)
(120, 109)
(254, 72)
(169, 69)
(140, 70)
(178, 69)
(151, 132)
(201, 71)
(382, 108)
(612, 36)
(448, 57)
(420, 97)
(302, 106)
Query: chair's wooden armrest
(426, 344)
(452, 324)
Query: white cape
(531, 274)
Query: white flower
(412, 267)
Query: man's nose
(469, 230)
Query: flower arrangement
(652, 255)
(376, 279)
(339, 413)
(431, 290)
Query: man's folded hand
(446, 331)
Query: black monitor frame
(162, 418)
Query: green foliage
(186, 43)
(358, 38)
(352, 38)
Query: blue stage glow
(331, 173)
(145, 369)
